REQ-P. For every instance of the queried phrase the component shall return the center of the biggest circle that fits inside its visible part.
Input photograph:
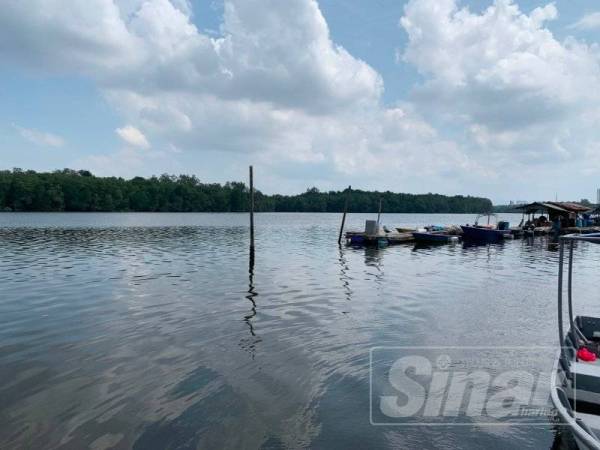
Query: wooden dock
(380, 239)
(404, 235)
(542, 231)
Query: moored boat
(484, 233)
(575, 380)
(434, 237)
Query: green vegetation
(70, 190)
(506, 209)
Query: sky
(490, 98)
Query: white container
(371, 228)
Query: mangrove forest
(80, 190)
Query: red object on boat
(585, 355)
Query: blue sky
(472, 97)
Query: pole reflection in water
(344, 277)
(249, 344)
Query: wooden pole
(379, 213)
(251, 210)
(344, 216)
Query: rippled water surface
(149, 331)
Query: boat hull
(567, 416)
(476, 234)
(575, 385)
(432, 237)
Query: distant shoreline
(80, 191)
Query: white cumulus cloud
(273, 82)
(520, 94)
(132, 136)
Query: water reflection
(344, 273)
(432, 246)
(563, 439)
(474, 245)
(374, 256)
(250, 343)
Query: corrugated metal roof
(555, 206)
(536, 206)
(572, 206)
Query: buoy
(585, 355)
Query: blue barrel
(357, 240)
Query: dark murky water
(149, 331)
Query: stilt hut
(568, 213)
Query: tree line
(71, 190)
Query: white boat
(575, 381)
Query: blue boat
(483, 233)
(433, 237)
(357, 240)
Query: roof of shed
(554, 206)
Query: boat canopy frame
(488, 215)
(570, 238)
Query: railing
(570, 238)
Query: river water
(154, 331)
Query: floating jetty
(542, 231)
(375, 235)
(381, 239)
(554, 218)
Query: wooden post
(379, 213)
(344, 216)
(251, 210)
